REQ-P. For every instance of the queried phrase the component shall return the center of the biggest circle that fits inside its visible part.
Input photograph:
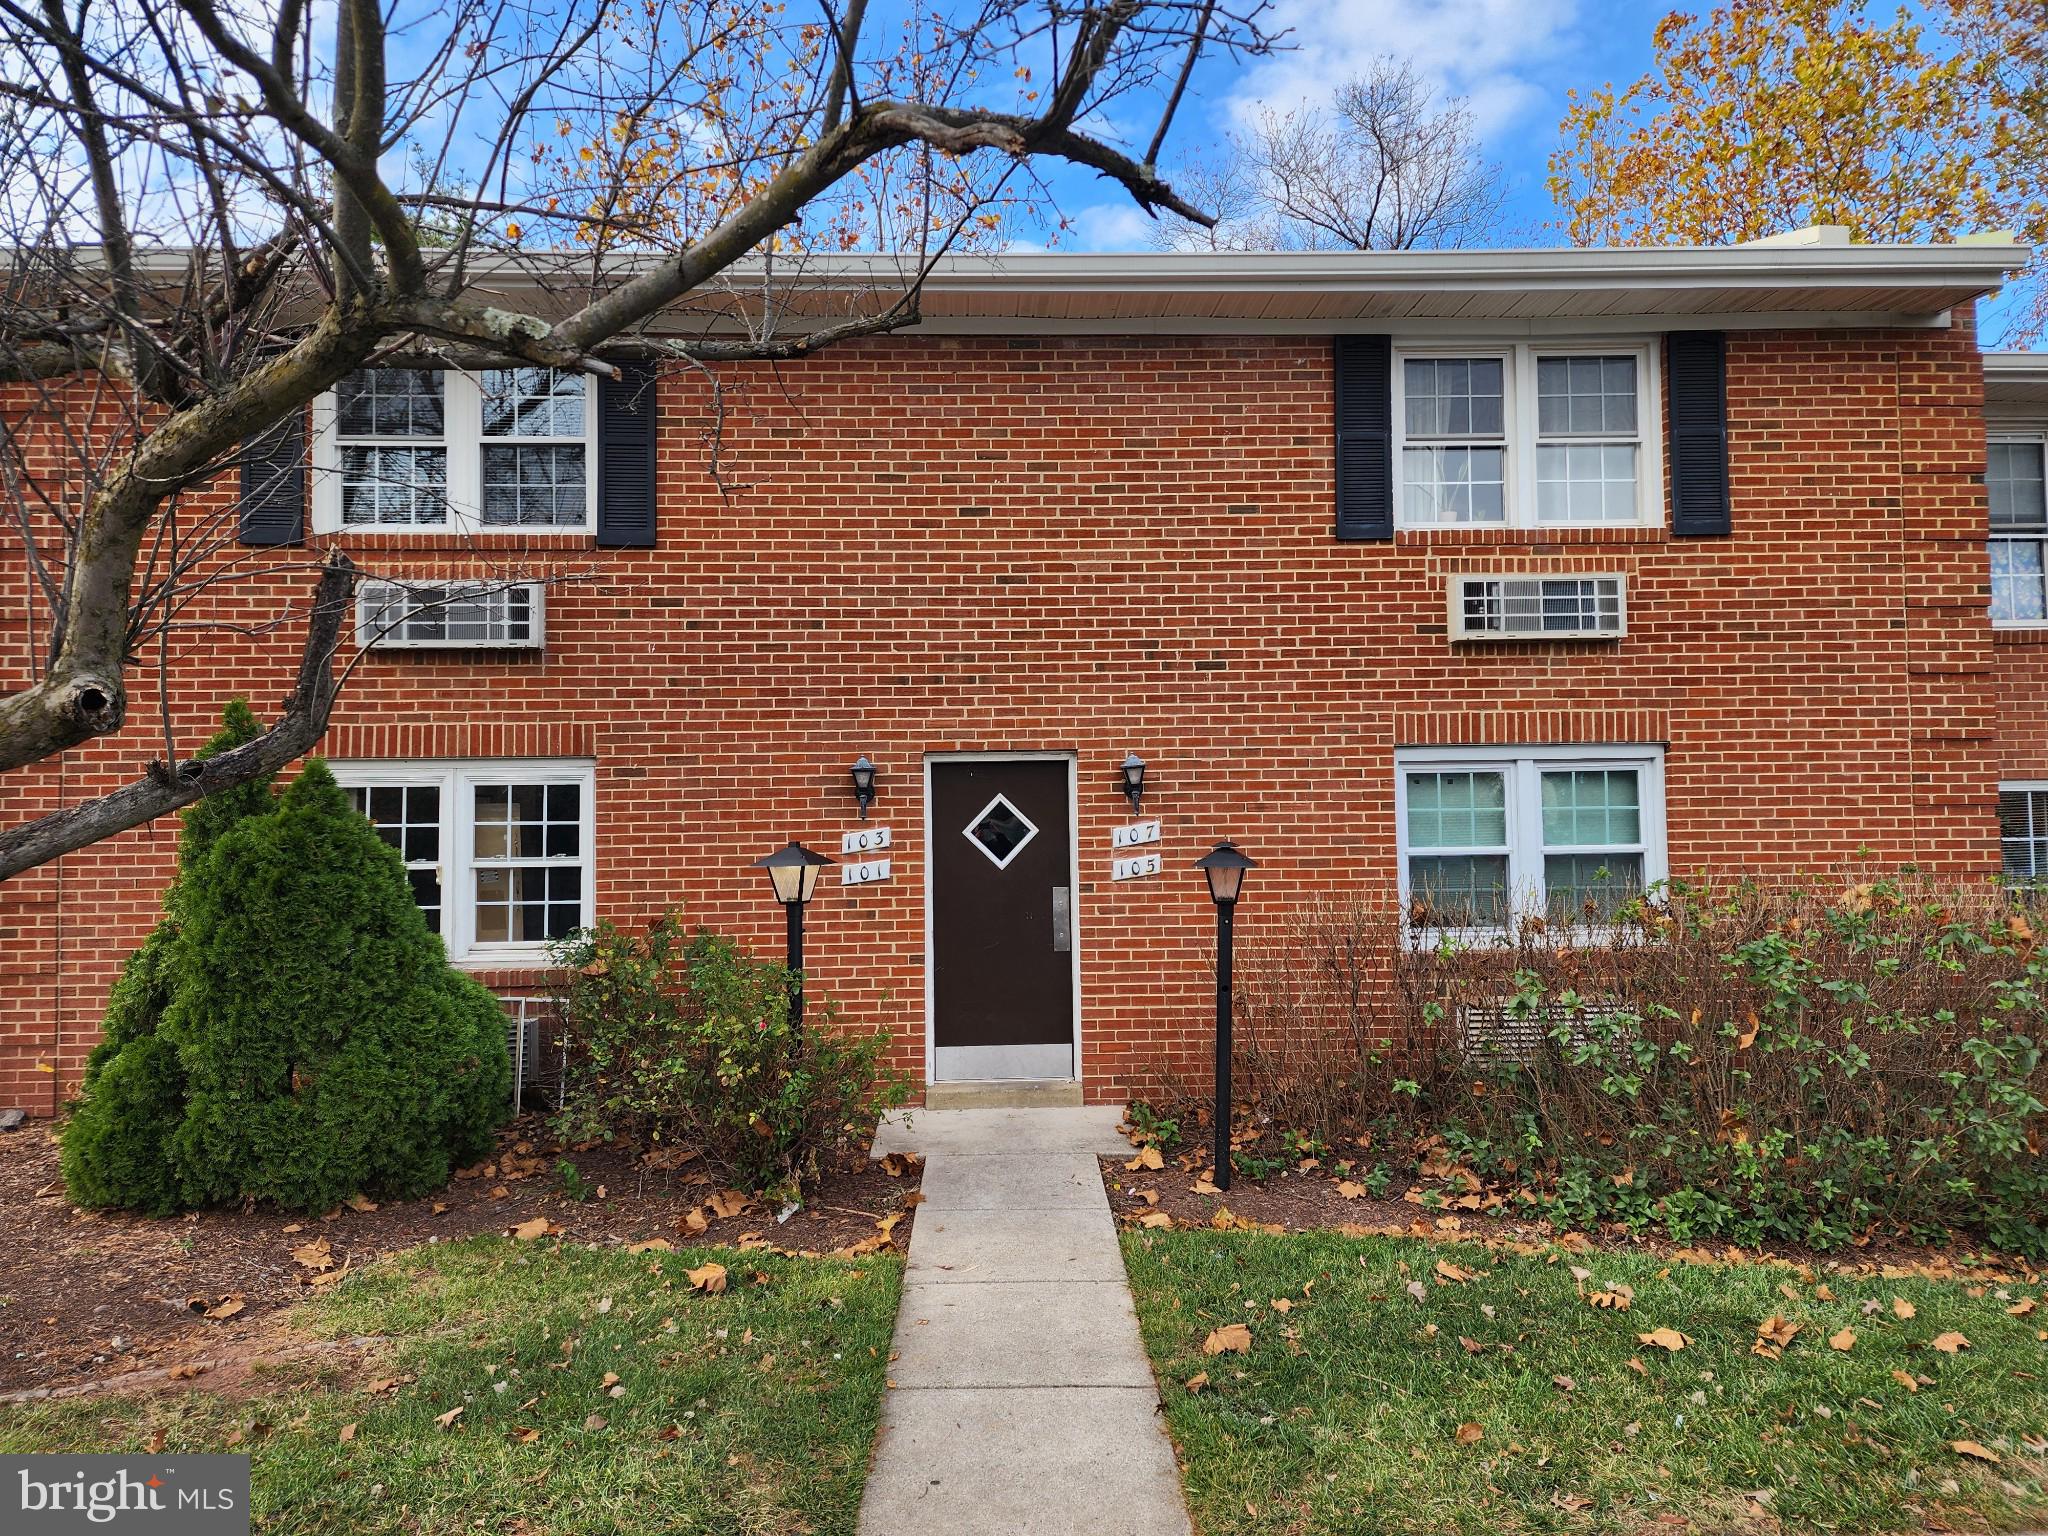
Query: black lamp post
(794, 873)
(1134, 781)
(1224, 865)
(863, 774)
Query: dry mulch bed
(86, 1295)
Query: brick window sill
(2020, 637)
(443, 544)
(1526, 538)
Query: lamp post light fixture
(1134, 781)
(1224, 866)
(863, 775)
(794, 873)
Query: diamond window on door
(1000, 830)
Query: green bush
(115, 1145)
(679, 1038)
(292, 1029)
(1813, 1066)
(114, 1150)
(328, 1047)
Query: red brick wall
(1097, 546)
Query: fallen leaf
(348, 1433)
(1951, 1343)
(1148, 1157)
(1350, 1190)
(1155, 1219)
(1902, 1308)
(652, 1245)
(1905, 1381)
(447, 1420)
(226, 1307)
(1664, 1338)
(315, 1254)
(1230, 1339)
(1972, 1448)
(1471, 1434)
(694, 1220)
(896, 1165)
(710, 1279)
(1773, 1335)
(1843, 1341)
(527, 1231)
(1282, 1304)
(595, 1421)
(358, 1203)
(1448, 1273)
(1564, 1383)
(2021, 1308)
(729, 1202)
(1416, 1289)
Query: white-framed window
(2023, 831)
(431, 451)
(2016, 481)
(1527, 435)
(500, 852)
(1492, 834)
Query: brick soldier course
(1089, 511)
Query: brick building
(1483, 576)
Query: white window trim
(462, 435)
(455, 777)
(1519, 417)
(1524, 767)
(2038, 439)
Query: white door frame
(1072, 761)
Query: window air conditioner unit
(450, 616)
(1538, 607)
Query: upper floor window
(2018, 490)
(1526, 435)
(423, 450)
(1488, 835)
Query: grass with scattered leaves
(544, 1388)
(1505, 1399)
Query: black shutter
(625, 458)
(273, 488)
(1365, 437)
(1700, 506)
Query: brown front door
(1002, 920)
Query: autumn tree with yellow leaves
(1766, 115)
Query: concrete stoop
(1023, 1402)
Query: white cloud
(1120, 226)
(1491, 51)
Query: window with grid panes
(2017, 487)
(430, 450)
(1489, 835)
(1525, 435)
(499, 854)
(2023, 831)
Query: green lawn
(1345, 1415)
(747, 1412)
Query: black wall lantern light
(1134, 781)
(863, 775)
(793, 871)
(1224, 865)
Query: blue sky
(1512, 59)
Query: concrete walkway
(1023, 1401)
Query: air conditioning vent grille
(459, 615)
(1538, 607)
